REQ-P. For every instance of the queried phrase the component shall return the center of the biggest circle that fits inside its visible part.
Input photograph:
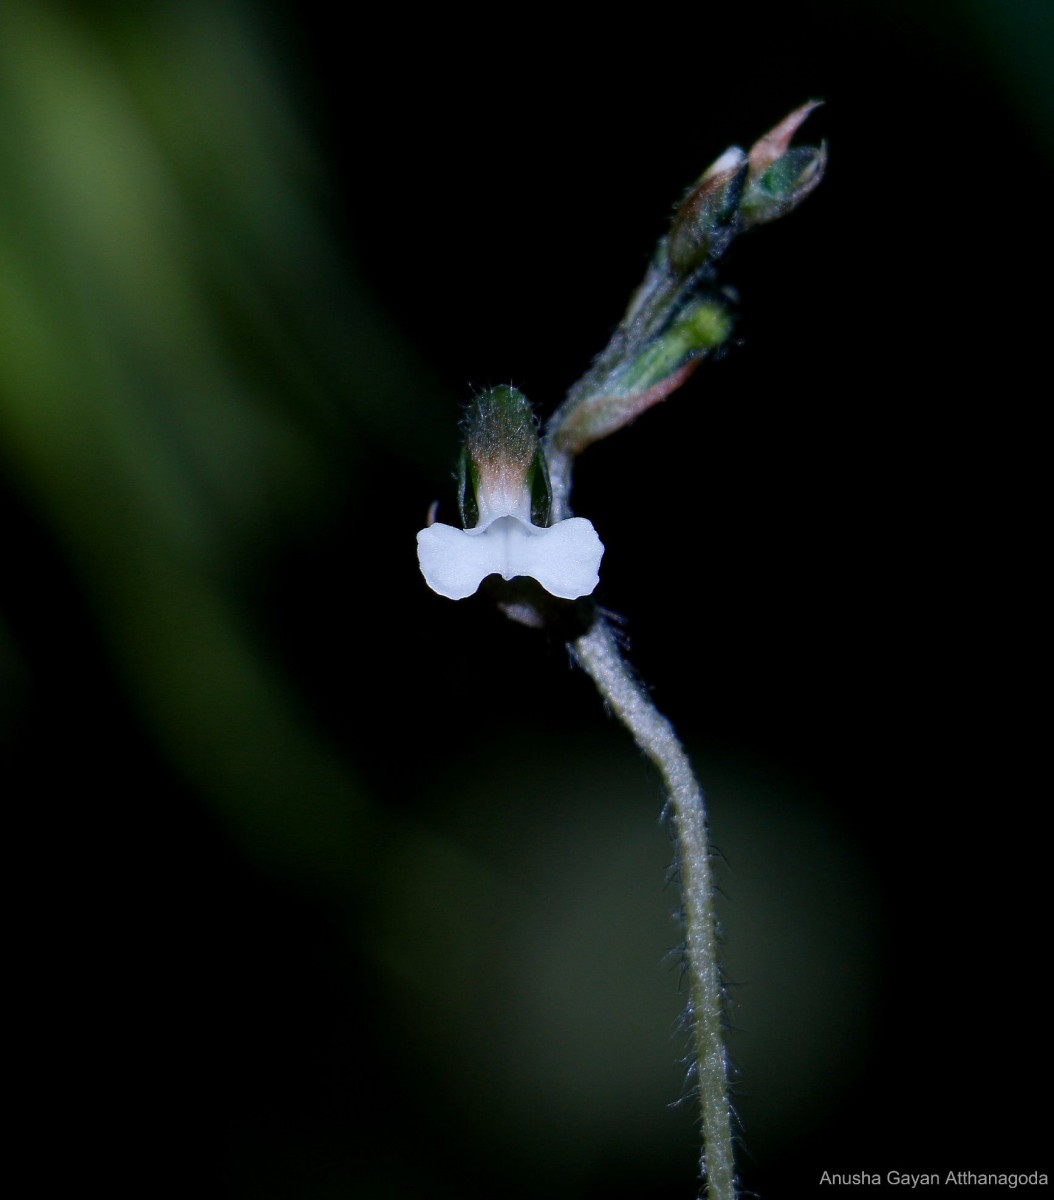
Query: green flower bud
(703, 325)
(780, 178)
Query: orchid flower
(504, 497)
(676, 317)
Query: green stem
(599, 656)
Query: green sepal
(541, 490)
(501, 431)
(467, 482)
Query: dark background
(323, 885)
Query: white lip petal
(454, 562)
(563, 558)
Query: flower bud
(703, 325)
(779, 177)
(706, 221)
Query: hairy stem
(599, 656)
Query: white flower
(504, 489)
(564, 558)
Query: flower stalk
(597, 652)
(515, 496)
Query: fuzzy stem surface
(598, 653)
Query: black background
(826, 550)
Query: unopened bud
(702, 326)
(779, 177)
(706, 221)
